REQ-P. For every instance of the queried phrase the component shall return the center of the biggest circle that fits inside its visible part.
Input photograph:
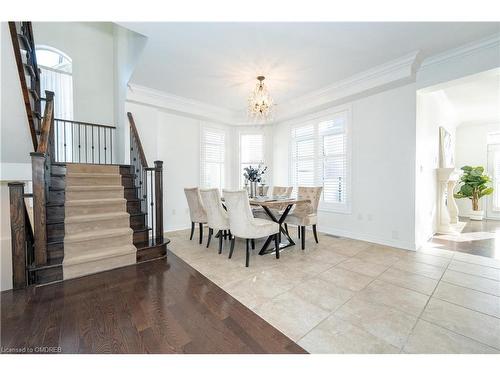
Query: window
(56, 75)
(251, 152)
(213, 150)
(319, 157)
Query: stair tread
(93, 187)
(105, 233)
(90, 202)
(95, 217)
(110, 252)
(92, 174)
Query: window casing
(251, 152)
(320, 156)
(213, 154)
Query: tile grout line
(335, 310)
(426, 304)
(460, 334)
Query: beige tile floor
(349, 296)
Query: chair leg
(192, 231)
(233, 240)
(248, 253)
(286, 229)
(303, 236)
(315, 233)
(298, 230)
(201, 233)
(253, 244)
(220, 242)
(210, 232)
(277, 246)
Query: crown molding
(493, 41)
(398, 70)
(378, 78)
(180, 105)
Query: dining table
(277, 208)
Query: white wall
(383, 170)
(90, 47)
(15, 146)
(471, 149)
(175, 140)
(433, 111)
(15, 137)
(127, 49)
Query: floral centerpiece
(254, 176)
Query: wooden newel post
(159, 198)
(39, 204)
(18, 234)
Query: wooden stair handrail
(135, 133)
(20, 69)
(47, 124)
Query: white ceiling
(476, 99)
(216, 63)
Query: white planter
(476, 215)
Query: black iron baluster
(79, 145)
(72, 141)
(144, 197)
(86, 145)
(111, 147)
(64, 141)
(152, 204)
(105, 144)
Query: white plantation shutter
(333, 159)
(251, 152)
(61, 83)
(213, 153)
(320, 158)
(303, 155)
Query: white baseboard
(366, 237)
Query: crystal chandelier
(260, 102)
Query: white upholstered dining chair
(306, 213)
(196, 210)
(244, 225)
(284, 191)
(217, 217)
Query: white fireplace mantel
(447, 218)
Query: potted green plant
(474, 184)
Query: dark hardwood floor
(487, 248)
(162, 306)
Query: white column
(447, 215)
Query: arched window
(56, 75)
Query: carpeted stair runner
(98, 236)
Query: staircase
(87, 218)
(97, 235)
